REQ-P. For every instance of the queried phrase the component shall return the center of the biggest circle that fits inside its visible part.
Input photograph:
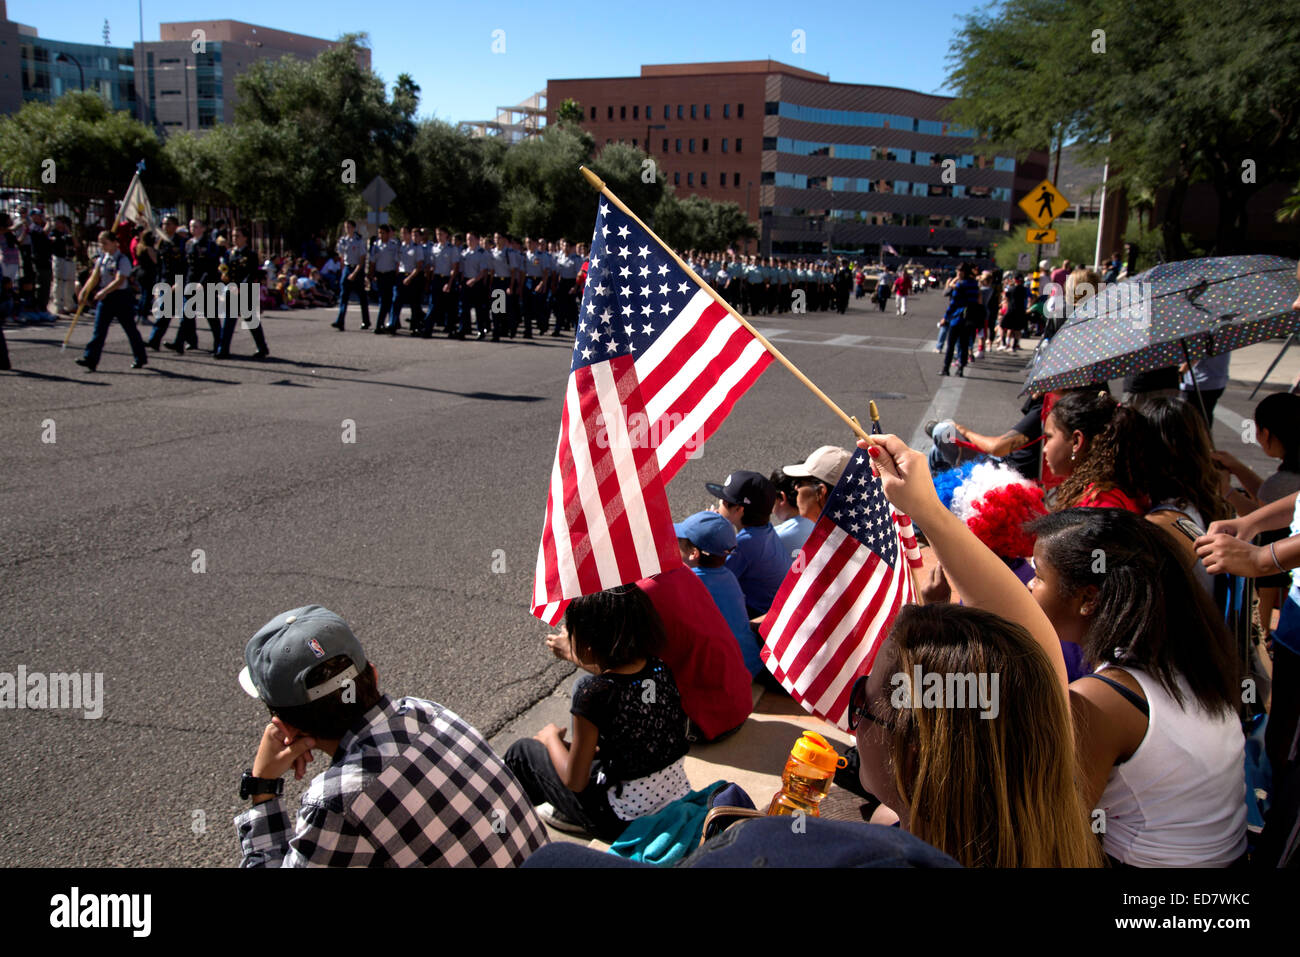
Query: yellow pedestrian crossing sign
(1042, 236)
(1043, 204)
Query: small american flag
(657, 365)
(835, 606)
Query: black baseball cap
(749, 489)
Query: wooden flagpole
(599, 185)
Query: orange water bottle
(807, 776)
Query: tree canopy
(1172, 94)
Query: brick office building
(819, 165)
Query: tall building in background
(33, 67)
(821, 166)
(182, 84)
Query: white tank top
(1180, 800)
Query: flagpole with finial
(599, 185)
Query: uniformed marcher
(410, 282)
(202, 261)
(384, 255)
(567, 297)
(243, 271)
(110, 280)
(171, 270)
(444, 307)
(502, 286)
(351, 250)
(537, 276)
(517, 263)
(476, 265)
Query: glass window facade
(893, 121)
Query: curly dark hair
(1113, 457)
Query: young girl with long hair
(990, 781)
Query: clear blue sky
(447, 47)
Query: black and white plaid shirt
(416, 786)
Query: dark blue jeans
(116, 307)
(959, 335)
(346, 289)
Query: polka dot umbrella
(1172, 313)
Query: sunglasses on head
(858, 706)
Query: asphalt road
(422, 533)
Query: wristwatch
(250, 786)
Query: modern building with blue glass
(820, 166)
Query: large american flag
(831, 612)
(657, 365)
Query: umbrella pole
(1285, 346)
(1200, 399)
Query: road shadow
(83, 380)
(168, 374)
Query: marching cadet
(517, 262)
(170, 271)
(202, 260)
(410, 285)
(567, 299)
(536, 276)
(476, 265)
(753, 286)
(502, 282)
(243, 271)
(383, 270)
(111, 281)
(444, 307)
(351, 250)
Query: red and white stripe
(612, 524)
(692, 376)
(828, 619)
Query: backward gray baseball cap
(279, 657)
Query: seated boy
(705, 539)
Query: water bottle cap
(815, 750)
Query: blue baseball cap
(707, 531)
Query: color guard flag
(135, 205)
(837, 603)
(657, 365)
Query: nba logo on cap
(316, 649)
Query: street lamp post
(69, 58)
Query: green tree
(449, 178)
(543, 191)
(1173, 94)
(700, 223)
(308, 137)
(570, 111)
(86, 140)
(631, 175)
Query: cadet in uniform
(567, 298)
(410, 285)
(444, 261)
(383, 267)
(535, 282)
(502, 282)
(171, 270)
(202, 258)
(115, 302)
(516, 296)
(476, 266)
(242, 270)
(351, 250)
